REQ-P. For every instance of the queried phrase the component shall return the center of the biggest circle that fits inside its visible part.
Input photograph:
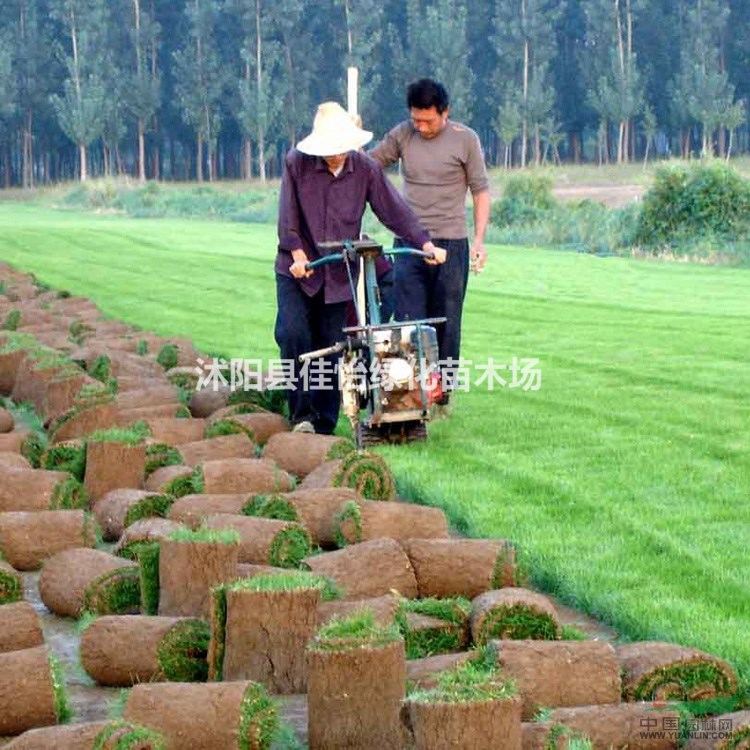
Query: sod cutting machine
(388, 372)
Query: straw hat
(333, 133)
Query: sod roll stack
(145, 531)
(176, 431)
(193, 510)
(366, 473)
(240, 475)
(28, 539)
(653, 670)
(724, 732)
(460, 567)
(217, 448)
(38, 489)
(120, 651)
(112, 465)
(300, 453)
(20, 627)
(258, 426)
(120, 508)
(95, 735)
(211, 716)
(367, 570)
(79, 580)
(356, 683)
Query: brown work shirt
(437, 173)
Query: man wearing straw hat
(325, 188)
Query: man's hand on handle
(439, 254)
(298, 268)
(478, 256)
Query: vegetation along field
(624, 480)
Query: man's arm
(290, 239)
(482, 206)
(388, 151)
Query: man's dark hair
(426, 93)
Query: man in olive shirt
(440, 161)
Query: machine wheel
(393, 433)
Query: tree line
(209, 89)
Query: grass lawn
(624, 481)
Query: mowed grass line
(624, 481)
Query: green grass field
(625, 480)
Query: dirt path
(612, 196)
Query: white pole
(352, 107)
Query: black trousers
(303, 324)
(424, 291)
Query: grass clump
(205, 536)
(117, 592)
(274, 506)
(292, 580)
(183, 651)
(517, 622)
(289, 547)
(420, 642)
(10, 587)
(63, 712)
(134, 435)
(258, 719)
(69, 494)
(682, 681)
(348, 524)
(148, 507)
(129, 736)
(358, 630)
(159, 455)
(167, 356)
(12, 319)
(147, 555)
(70, 457)
(225, 427)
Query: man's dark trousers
(425, 291)
(303, 324)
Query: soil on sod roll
(6, 421)
(356, 683)
(174, 431)
(263, 541)
(79, 580)
(260, 634)
(12, 442)
(95, 735)
(653, 670)
(171, 480)
(370, 519)
(622, 725)
(206, 402)
(210, 716)
(27, 693)
(9, 362)
(11, 586)
(460, 567)
(28, 539)
(260, 426)
(552, 674)
(247, 570)
(242, 475)
(300, 453)
(367, 473)
(192, 510)
(81, 421)
(20, 627)
(383, 608)
(39, 489)
(113, 465)
(736, 729)
(145, 531)
(367, 570)
(423, 673)
(159, 395)
(12, 460)
(118, 509)
(119, 651)
(217, 448)
(316, 510)
(189, 569)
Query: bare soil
(612, 196)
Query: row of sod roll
(250, 587)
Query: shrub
(526, 199)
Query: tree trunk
(82, 153)
(141, 150)
(722, 144)
(28, 151)
(247, 159)
(199, 161)
(259, 93)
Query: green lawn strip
(623, 481)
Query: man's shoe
(304, 426)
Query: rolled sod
(206, 402)
(241, 475)
(145, 531)
(69, 456)
(171, 480)
(28, 539)
(11, 585)
(513, 614)
(27, 691)
(637, 726)
(210, 716)
(83, 420)
(259, 426)
(552, 674)
(39, 489)
(472, 705)
(89, 580)
(735, 728)
(316, 510)
(127, 417)
(190, 565)
(260, 628)
(657, 671)
(118, 509)
(192, 510)
(247, 570)
(370, 519)
(263, 541)
(20, 627)
(434, 626)
(356, 682)
(217, 448)
(384, 609)
(12, 442)
(299, 452)
(174, 431)
(367, 473)
(368, 569)
(159, 455)
(94, 735)
(423, 673)
(119, 651)
(113, 465)
(460, 567)
(159, 395)
(11, 460)
(6, 421)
